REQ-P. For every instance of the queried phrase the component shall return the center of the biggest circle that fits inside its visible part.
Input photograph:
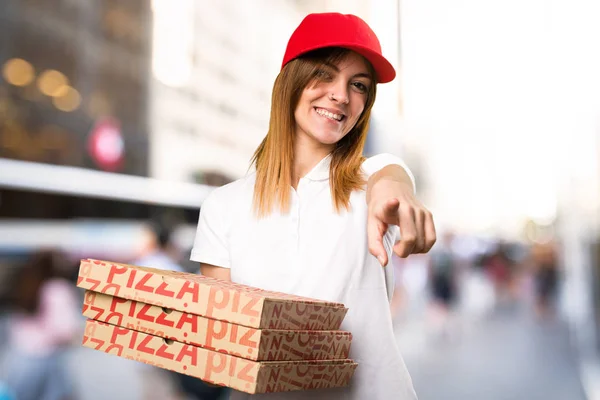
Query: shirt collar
(320, 172)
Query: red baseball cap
(348, 31)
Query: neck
(307, 155)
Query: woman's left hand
(391, 200)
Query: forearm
(215, 272)
(391, 173)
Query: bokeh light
(18, 72)
(53, 83)
(68, 100)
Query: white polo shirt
(315, 252)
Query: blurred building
(213, 68)
(73, 92)
(74, 83)
(74, 137)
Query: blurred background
(117, 118)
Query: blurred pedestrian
(410, 285)
(43, 323)
(500, 269)
(158, 250)
(443, 285)
(315, 218)
(546, 278)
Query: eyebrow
(359, 75)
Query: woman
(302, 223)
(44, 324)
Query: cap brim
(384, 69)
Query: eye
(360, 87)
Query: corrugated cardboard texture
(214, 367)
(225, 337)
(208, 297)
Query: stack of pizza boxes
(224, 333)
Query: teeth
(326, 113)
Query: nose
(339, 92)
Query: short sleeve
(211, 245)
(377, 162)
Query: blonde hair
(274, 156)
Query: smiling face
(332, 103)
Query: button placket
(294, 209)
(295, 225)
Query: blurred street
(505, 356)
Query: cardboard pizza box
(215, 367)
(222, 336)
(209, 297)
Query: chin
(329, 140)
(329, 137)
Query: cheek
(358, 105)
(304, 103)
(357, 112)
(301, 110)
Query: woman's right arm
(213, 271)
(211, 244)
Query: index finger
(375, 232)
(408, 231)
(430, 233)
